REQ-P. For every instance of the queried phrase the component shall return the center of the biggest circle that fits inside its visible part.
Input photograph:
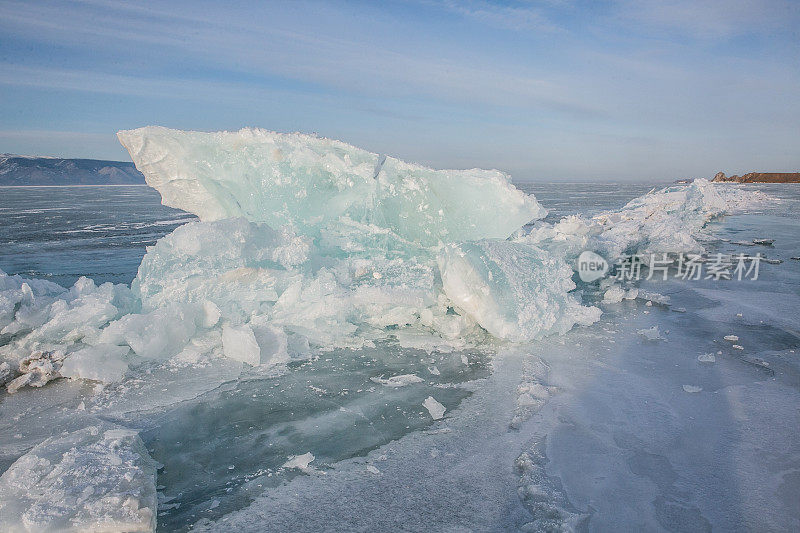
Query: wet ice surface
(594, 428)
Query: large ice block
(308, 182)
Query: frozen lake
(598, 429)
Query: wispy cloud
(517, 16)
(328, 62)
(515, 84)
(712, 19)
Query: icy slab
(99, 478)
(435, 408)
(105, 363)
(300, 462)
(309, 182)
(397, 381)
(513, 290)
(651, 334)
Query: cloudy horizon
(543, 90)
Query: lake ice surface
(590, 428)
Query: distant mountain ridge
(31, 170)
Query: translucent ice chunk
(308, 182)
(614, 294)
(429, 206)
(159, 334)
(513, 290)
(239, 343)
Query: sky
(549, 90)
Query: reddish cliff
(761, 177)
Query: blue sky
(557, 89)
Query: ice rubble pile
(667, 220)
(98, 478)
(307, 243)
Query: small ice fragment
(651, 334)
(397, 381)
(743, 243)
(737, 347)
(732, 338)
(300, 462)
(706, 358)
(434, 408)
(679, 309)
(692, 388)
(654, 297)
(464, 359)
(373, 470)
(614, 294)
(739, 315)
(434, 370)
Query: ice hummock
(309, 244)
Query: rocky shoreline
(760, 177)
